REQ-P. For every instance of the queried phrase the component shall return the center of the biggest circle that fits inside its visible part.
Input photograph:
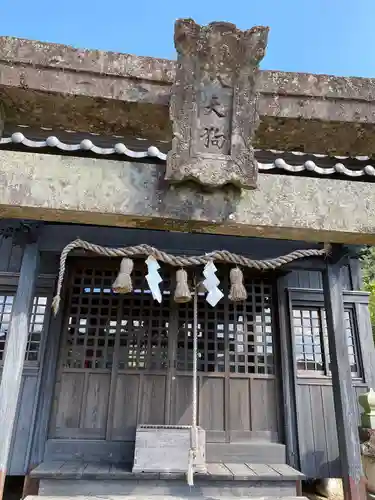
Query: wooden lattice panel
(101, 321)
(36, 325)
(251, 331)
(143, 337)
(92, 320)
(231, 337)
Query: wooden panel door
(142, 360)
(114, 358)
(127, 360)
(88, 339)
(238, 398)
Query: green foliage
(368, 269)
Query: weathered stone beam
(113, 193)
(2, 119)
(57, 86)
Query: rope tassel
(56, 304)
(182, 293)
(238, 291)
(123, 282)
(190, 471)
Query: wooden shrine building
(204, 161)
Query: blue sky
(317, 36)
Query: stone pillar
(367, 438)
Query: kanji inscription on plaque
(214, 120)
(214, 104)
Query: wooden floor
(215, 471)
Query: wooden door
(114, 357)
(237, 372)
(127, 360)
(142, 360)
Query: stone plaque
(214, 104)
(165, 448)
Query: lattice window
(351, 343)
(143, 336)
(36, 325)
(311, 340)
(92, 320)
(237, 338)
(6, 305)
(307, 324)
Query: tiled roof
(52, 141)
(293, 162)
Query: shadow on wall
(314, 464)
(13, 487)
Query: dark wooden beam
(53, 238)
(2, 119)
(288, 379)
(345, 406)
(20, 231)
(11, 379)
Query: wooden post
(345, 409)
(15, 354)
(2, 119)
(30, 487)
(288, 377)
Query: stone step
(231, 489)
(155, 497)
(222, 471)
(222, 480)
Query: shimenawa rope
(221, 256)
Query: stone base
(330, 488)
(165, 448)
(368, 464)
